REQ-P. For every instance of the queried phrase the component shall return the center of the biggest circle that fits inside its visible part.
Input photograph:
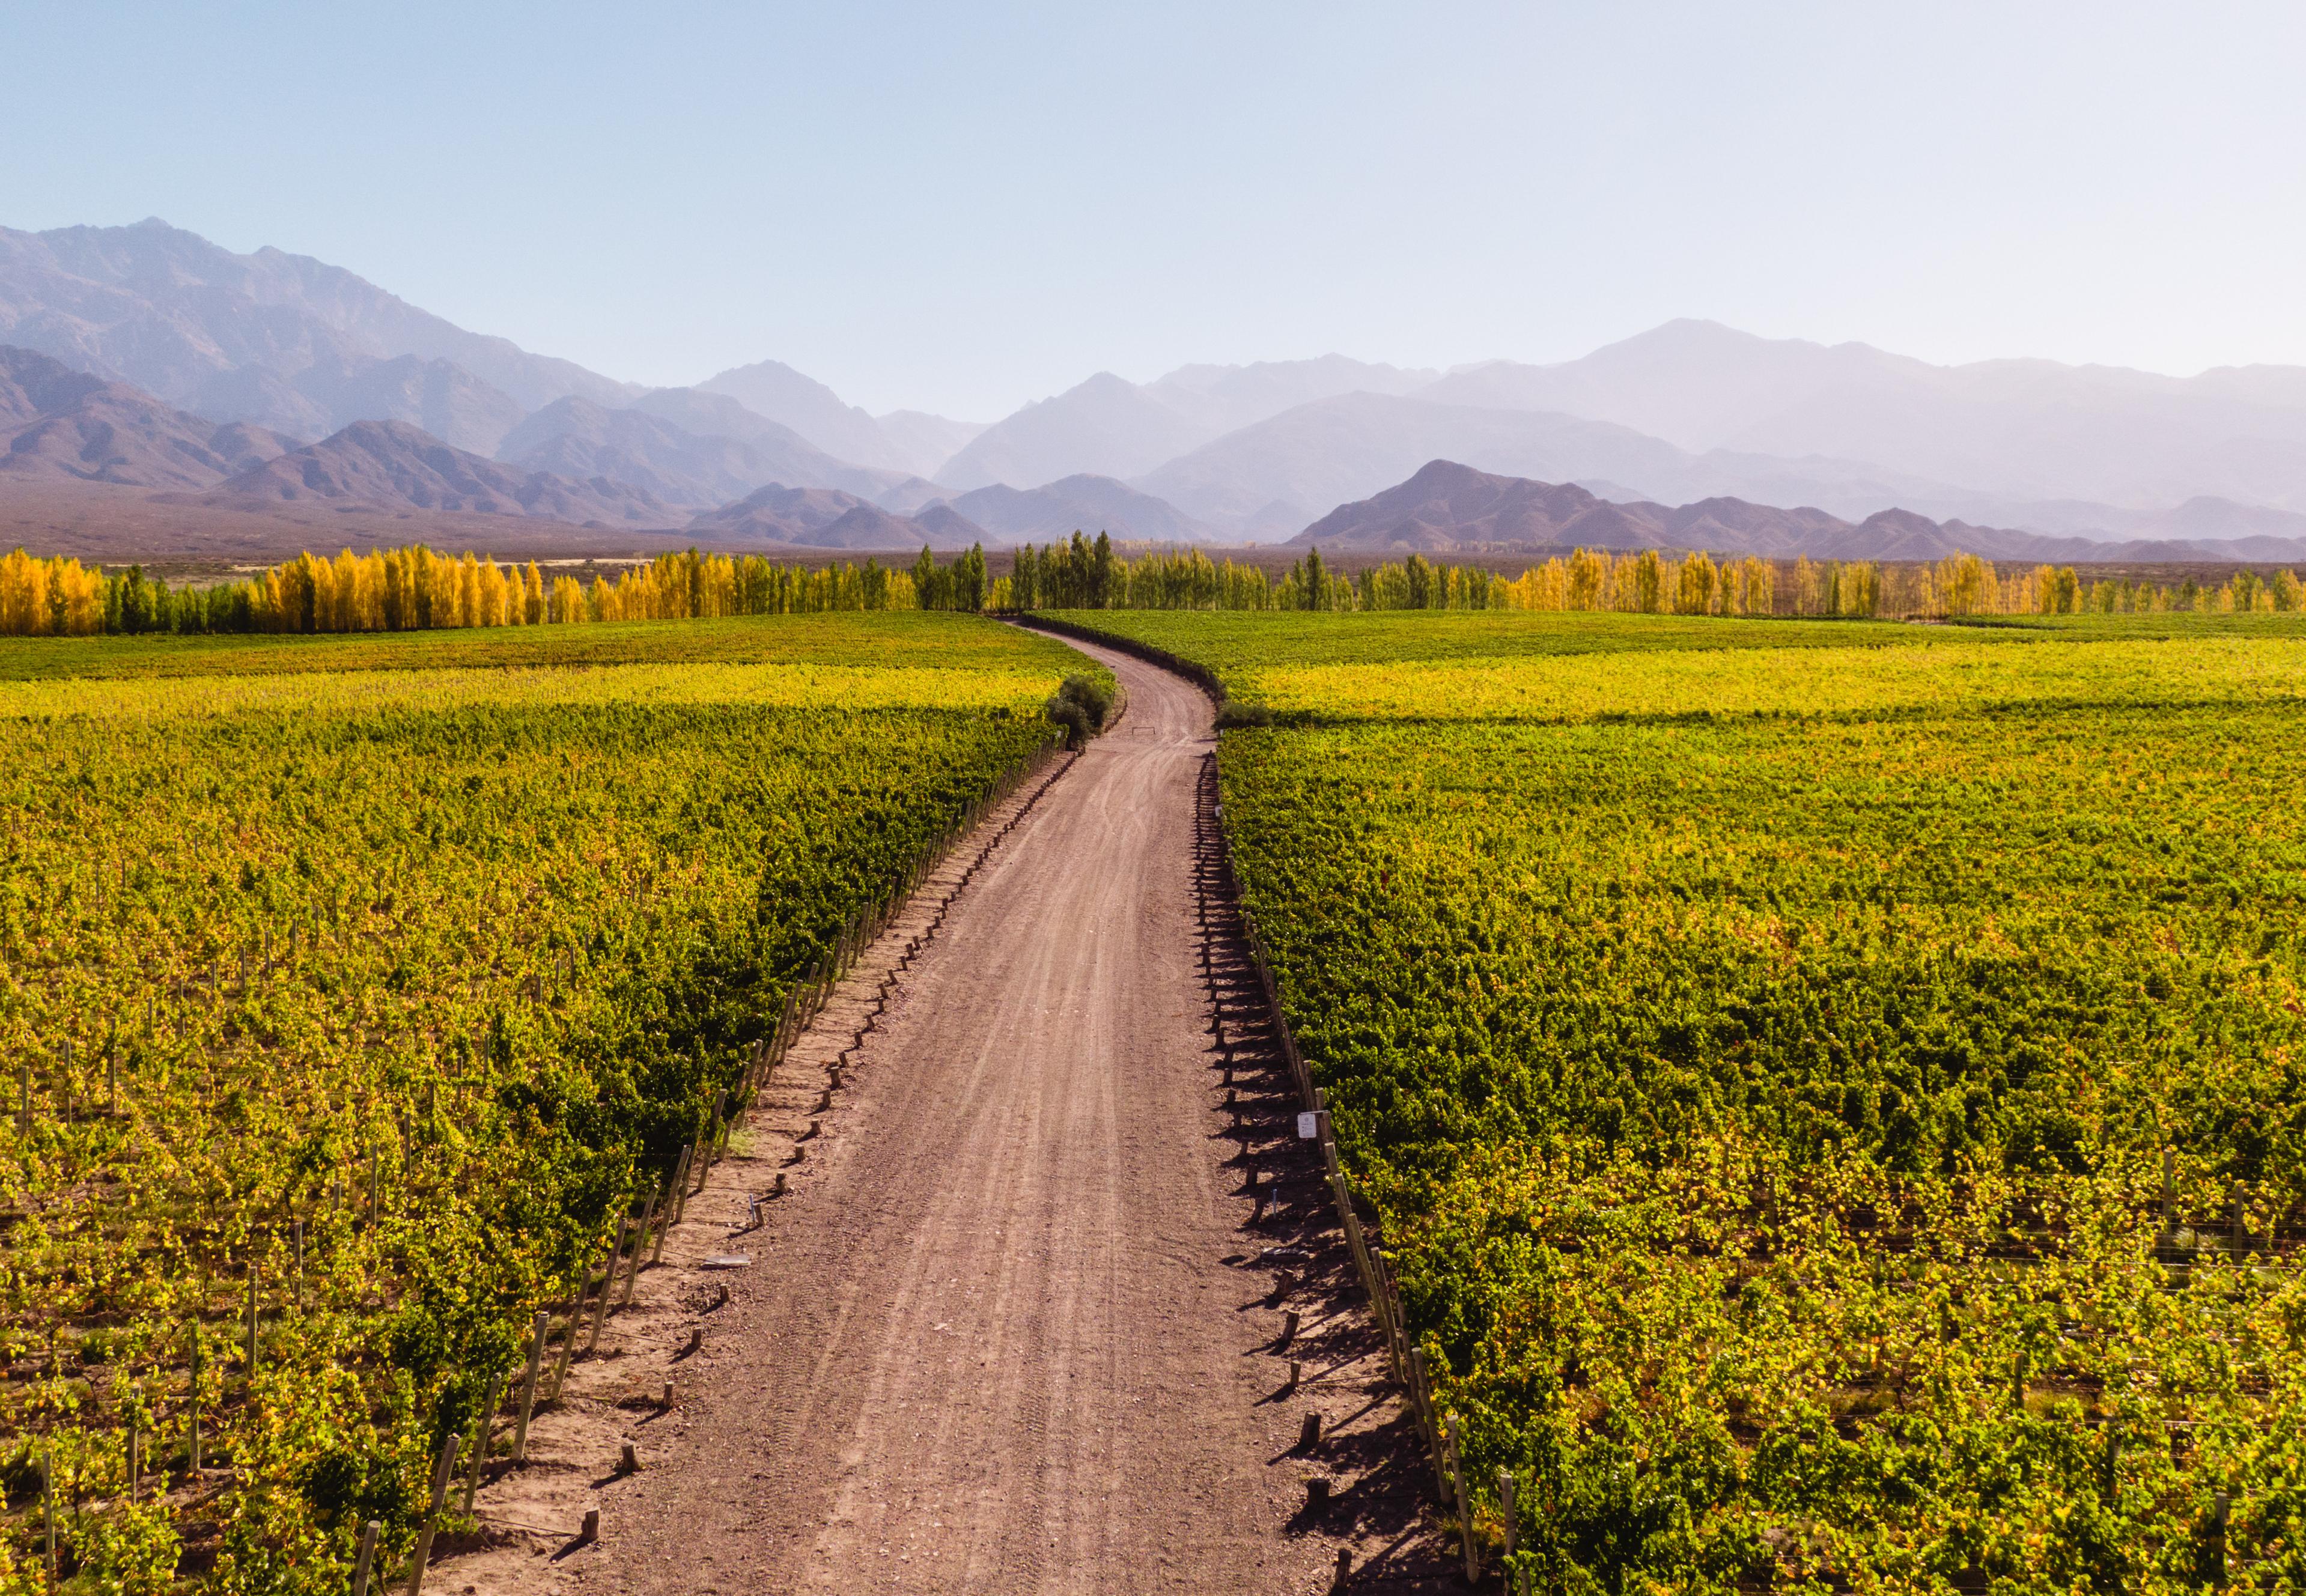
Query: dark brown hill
(58, 422)
(945, 527)
(1733, 523)
(393, 465)
(1448, 507)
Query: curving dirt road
(1011, 1328)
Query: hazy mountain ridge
(828, 518)
(62, 423)
(924, 442)
(392, 464)
(1108, 426)
(774, 390)
(2014, 428)
(437, 395)
(575, 437)
(1696, 410)
(1446, 506)
(205, 328)
(1082, 503)
(573, 460)
(1273, 477)
(788, 458)
(1687, 412)
(271, 303)
(299, 346)
(909, 442)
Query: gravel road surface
(1010, 1328)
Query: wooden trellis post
(528, 1384)
(1464, 1501)
(441, 1470)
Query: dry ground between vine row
(1011, 1328)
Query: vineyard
(788, 640)
(1836, 1104)
(357, 992)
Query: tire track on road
(1012, 1330)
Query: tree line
(416, 589)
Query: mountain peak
(1108, 426)
(772, 389)
(1444, 503)
(280, 339)
(1100, 383)
(1447, 476)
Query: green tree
(1025, 578)
(968, 582)
(1420, 575)
(1100, 580)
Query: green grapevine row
(1861, 1146)
(375, 1013)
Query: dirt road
(1011, 1330)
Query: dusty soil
(1010, 1328)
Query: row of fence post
(1404, 1358)
(663, 1208)
(861, 929)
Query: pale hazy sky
(963, 207)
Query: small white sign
(1308, 1127)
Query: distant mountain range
(64, 425)
(908, 442)
(1447, 508)
(204, 364)
(57, 425)
(575, 462)
(1694, 410)
(1276, 476)
(2018, 429)
(393, 465)
(1073, 503)
(282, 340)
(683, 447)
(1110, 427)
(828, 518)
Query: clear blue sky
(963, 207)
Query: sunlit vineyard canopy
(1836, 1093)
(354, 988)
